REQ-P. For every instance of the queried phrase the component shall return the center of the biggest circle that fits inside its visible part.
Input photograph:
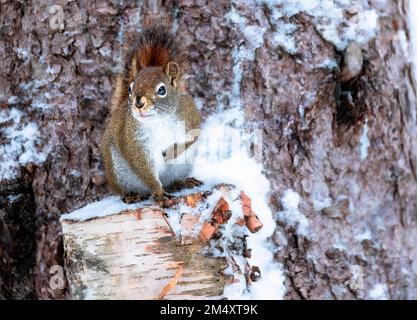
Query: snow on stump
(191, 250)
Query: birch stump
(135, 254)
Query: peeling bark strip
(251, 219)
(122, 257)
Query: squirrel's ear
(172, 70)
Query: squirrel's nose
(140, 102)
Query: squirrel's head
(154, 91)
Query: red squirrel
(154, 123)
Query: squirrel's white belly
(160, 135)
(156, 136)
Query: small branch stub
(352, 62)
(208, 230)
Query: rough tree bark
(315, 152)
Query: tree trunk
(341, 155)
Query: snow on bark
(412, 18)
(21, 142)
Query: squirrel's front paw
(188, 183)
(164, 200)
(192, 182)
(132, 198)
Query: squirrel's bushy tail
(154, 46)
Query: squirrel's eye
(161, 90)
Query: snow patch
(402, 38)
(33, 85)
(364, 141)
(22, 53)
(338, 21)
(105, 207)
(253, 33)
(20, 143)
(321, 201)
(284, 36)
(39, 102)
(291, 215)
(105, 51)
(365, 235)
(413, 32)
(254, 39)
(329, 64)
(356, 282)
(379, 292)
(222, 157)
(13, 100)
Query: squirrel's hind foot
(164, 200)
(133, 198)
(191, 183)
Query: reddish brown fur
(155, 57)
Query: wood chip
(221, 212)
(207, 231)
(172, 283)
(251, 219)
(240, 222)
(253, 224)
(191, 200)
